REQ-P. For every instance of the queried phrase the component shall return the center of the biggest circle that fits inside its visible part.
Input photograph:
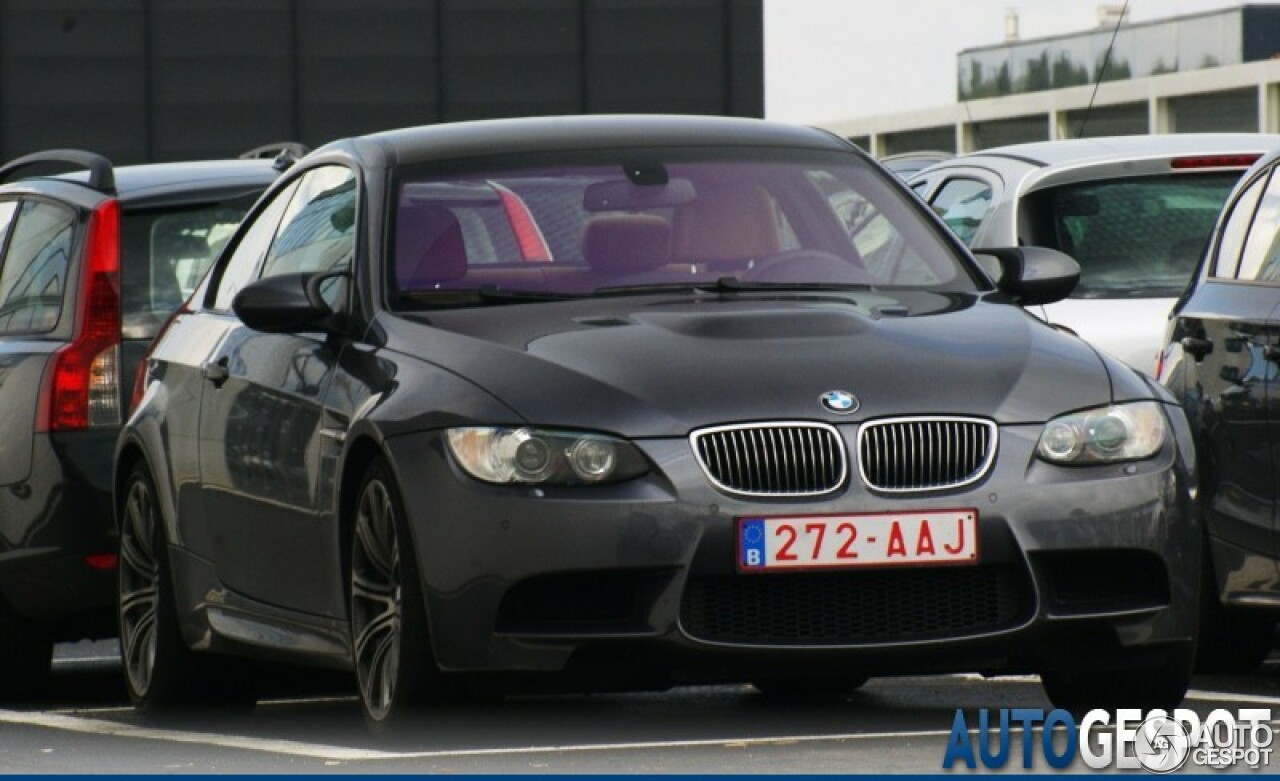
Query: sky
(847, 59)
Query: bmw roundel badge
(839, 402)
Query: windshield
(634, 220)
(1133, 238)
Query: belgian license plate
(865, 540)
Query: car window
(317, 231)
(1236, 230)
(1138, 237)
(165, 253)
(35, 266)
(685, 217)
(255, 237)
(963, 204)
(1258, 260)
(7, 210)
(877, 242)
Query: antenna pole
(1102, 71)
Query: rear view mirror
(621, 195)
(1035, 275)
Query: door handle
(216, 372)
(1197, 348)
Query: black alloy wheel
(161, 673)
(393, 663)
(139, 585)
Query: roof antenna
(1102, 71)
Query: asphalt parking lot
(313, 725)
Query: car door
(261, 406)
(1230, 338)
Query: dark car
(756, 416)
(91, 264)
(1222, 350)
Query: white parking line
(116, 729)
(73, 660)
(339, 753)
(64, 721)
(1196, 694)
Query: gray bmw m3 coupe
(628, 402)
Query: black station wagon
(91, 265)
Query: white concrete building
(1214, 71)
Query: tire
(822, 689)
(161, 674)
(26, 657)
(1229, 641)
(394, 668)
(1162, 685)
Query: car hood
(656, 366)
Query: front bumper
(1078, 567)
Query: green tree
(1038, 77)
(1068, 74)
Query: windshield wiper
(729, 285)
(485, 294)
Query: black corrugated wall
(151, 80)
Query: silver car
(1134, 211)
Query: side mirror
(286, 303)
(1034, 275)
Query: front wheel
(1163, 685)
(395, 671)
(161, 673)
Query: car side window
(318, 229)
(1236, 230)
(1258, 260)
(963, 205)
(238, 269)
(7, 210)
(34, 271)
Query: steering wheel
(808, 265)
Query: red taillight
(102, 561)
(533, 247)
(82, 383)
(1213, 161)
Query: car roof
(549, 134)
(157, 185)
(1118, 148)
(153, 180)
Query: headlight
(534, 456)
(1122, 432)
